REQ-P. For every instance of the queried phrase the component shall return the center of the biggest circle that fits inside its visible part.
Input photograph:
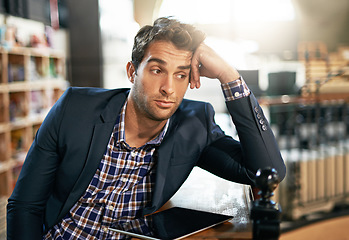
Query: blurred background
(293, 54)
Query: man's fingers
(195, 80)
(195, 73)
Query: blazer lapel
(101, 135)
(164, 155)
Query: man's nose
(167, 87)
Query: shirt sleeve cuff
(235, 89)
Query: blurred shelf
(31, 81)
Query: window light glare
(264, 11)
(198, 11)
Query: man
(105, 157)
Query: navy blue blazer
(71, 141)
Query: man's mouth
(164, 103)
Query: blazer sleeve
(257, 147)
(25, 209)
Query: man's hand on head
(207, 63)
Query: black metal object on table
(265, 213)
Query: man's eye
(156, 71)
(182, 76)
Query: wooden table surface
(206, 192)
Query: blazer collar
(113, 109)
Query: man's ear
(131, 71)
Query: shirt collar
(119, 130)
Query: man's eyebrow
(160, 61)
(184, 67)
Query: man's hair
(183, 36)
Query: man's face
(161, 80)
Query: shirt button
(111, 208)
(236, 94)
(133, 154)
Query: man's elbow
(281, 172)
(23, 222)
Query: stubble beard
(145, 105)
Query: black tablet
(176, 223)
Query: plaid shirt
(235, 89)
(122, 185)
(120, 188)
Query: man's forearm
(256, 137)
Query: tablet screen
(174, 223)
